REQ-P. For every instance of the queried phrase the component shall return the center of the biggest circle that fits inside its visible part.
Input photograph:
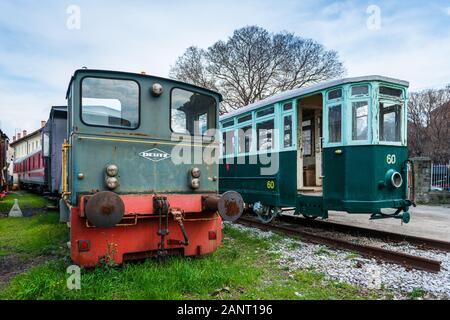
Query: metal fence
(440, 176)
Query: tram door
(309, 153)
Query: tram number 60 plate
(391, 159)
(270, 184)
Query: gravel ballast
(351, 268)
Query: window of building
(360, 112)
(110, 102)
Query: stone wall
(422, 179)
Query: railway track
(425, 243)
(404, 259)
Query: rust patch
(232, 207)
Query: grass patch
(417, 293)
(27, 200)
(241, 269)
(37, 235)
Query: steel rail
(404, 259)
(367, 232)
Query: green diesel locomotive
(339, 145)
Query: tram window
(334, 124)
(307, 137)
(265, 131)
(228, 124)
(110, 102)
(245, 118)
(335, 94)
(360, 90)
(185, 108)
(360, 110)
(390, 121)
(245, 139)
(265, 112)
(288, 131)
(391, 92)
(287, 106)
(227, 142)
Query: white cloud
(38, 53)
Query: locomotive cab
(131, 182)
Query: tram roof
(286, 95)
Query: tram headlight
(112, 170)
(112, 183)
(195, 183)
(396, 179)
(195, 172)
(393, 178)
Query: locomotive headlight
(112, 183)
(195, 172)
(112, 170)
(157, 89)
(195, 183)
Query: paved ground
(426, 221)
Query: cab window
(191, 112)
(110, 102)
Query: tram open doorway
(309, 145)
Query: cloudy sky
(38, 52)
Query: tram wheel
(268, 214)
(307, 217)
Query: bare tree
(254, 64)
(429, 124)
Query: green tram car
(339, 145)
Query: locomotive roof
(139, 75)
(285, 95)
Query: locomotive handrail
(64, 184)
